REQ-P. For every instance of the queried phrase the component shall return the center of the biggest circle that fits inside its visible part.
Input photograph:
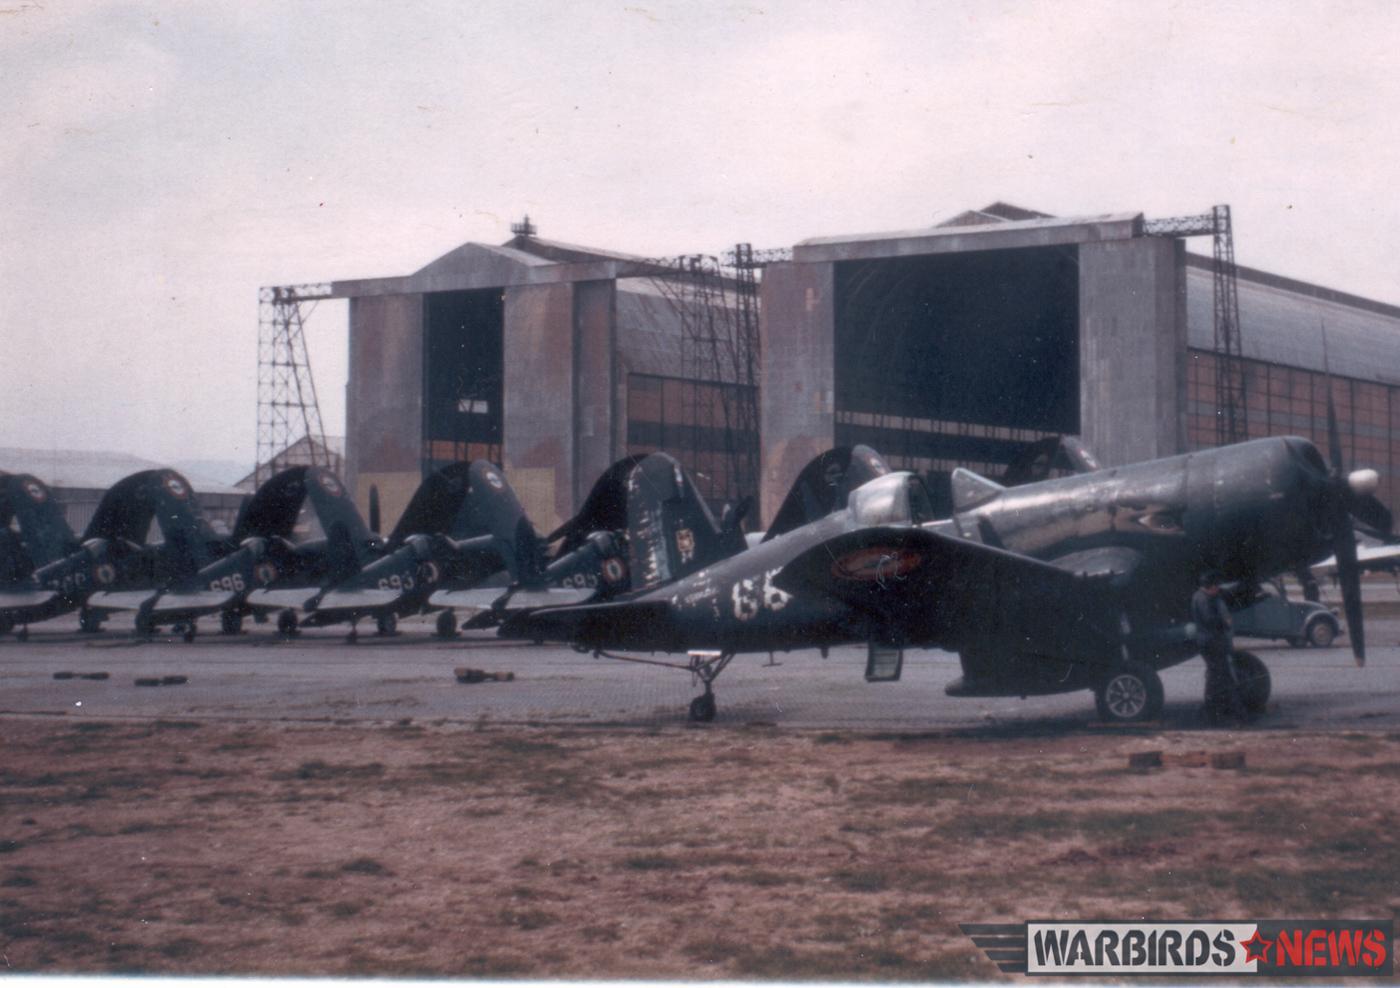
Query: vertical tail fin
(671, 531)
(43, 529)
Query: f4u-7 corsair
(1081, 582)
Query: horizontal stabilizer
(476, 599)
(361, 601)
(918, 586)
(642, 625)
(193, 604)
(18, 600)
(522, 600)
(295, 598)
(120, 600)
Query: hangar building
(553, 361)
(950, 345)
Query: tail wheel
(1252, 681)
(230, 622)
(89, 622)
(1130, 694)
(287, 622)
(447, 625)
(388, 624)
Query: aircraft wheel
(145, 625)
(702, 708)
(447, 625)
(230, 622)
(1130, 694)
(287, 623)
(89, 622)
(388, 624)
(188, 632)
(1252, 681)
(1321, 633)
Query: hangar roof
(1281, 322)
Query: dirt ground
(717, 852)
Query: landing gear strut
(89, 622)
(706, 667)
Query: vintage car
(1268, 613)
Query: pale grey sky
(161, 161)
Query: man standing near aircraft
(1213, 634)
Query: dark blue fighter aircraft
(113, 568)
(1081, 582)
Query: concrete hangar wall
(945, 346)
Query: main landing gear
(1130, 693)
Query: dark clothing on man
(1213, 635)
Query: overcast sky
(160, 161)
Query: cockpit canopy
(894, 499)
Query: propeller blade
(1374, 516)
(1349, 576)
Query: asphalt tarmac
(317, 676)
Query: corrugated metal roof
(649, 330)
(1280, 324)
(94, 470)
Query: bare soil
(720, 852)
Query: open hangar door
(958, 359)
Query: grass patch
(364, 866)
(651, 862)
(319, 771)
(528, 919)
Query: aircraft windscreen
(894, 499)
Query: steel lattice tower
(287, 405)
(1231, 409)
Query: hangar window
(697, 422)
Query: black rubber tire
(287, 623)
(1252, 682)
(1130, 694)
(447, 625)
(1322, 632)
(188, 632)
(89, 622)
(703, 708)
(387, 625)
(230, 622)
